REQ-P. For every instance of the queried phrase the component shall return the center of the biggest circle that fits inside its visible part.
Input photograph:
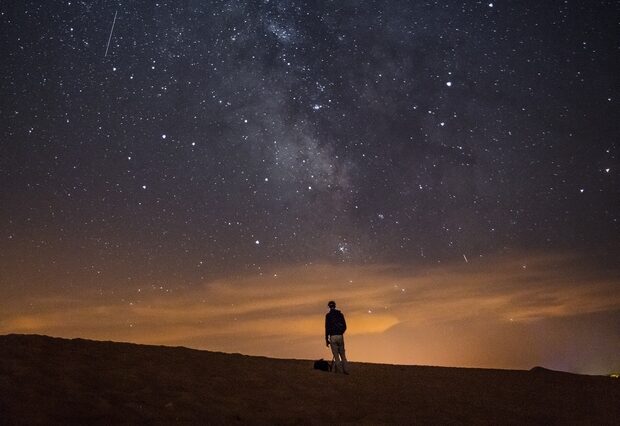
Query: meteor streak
(111, 31)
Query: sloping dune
(46, 380)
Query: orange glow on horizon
(469, 314)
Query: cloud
(477, 313)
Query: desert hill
(46, 380)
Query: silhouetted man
(335, 326)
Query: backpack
(322, 365)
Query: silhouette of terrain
(45, 380)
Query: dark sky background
(213, 148)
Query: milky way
(212, 138)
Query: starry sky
(211, 173)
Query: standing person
(335, 326)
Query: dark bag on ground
(322, 365)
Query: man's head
(331, 304)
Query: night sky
(211, 173)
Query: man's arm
(326, 333)
(344, 322)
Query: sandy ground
(47, 380)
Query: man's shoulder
(334, 313)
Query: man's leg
(335, 346)
(343, 357)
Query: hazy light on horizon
(498, 312)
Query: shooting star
(111, 31)
(465, 257)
